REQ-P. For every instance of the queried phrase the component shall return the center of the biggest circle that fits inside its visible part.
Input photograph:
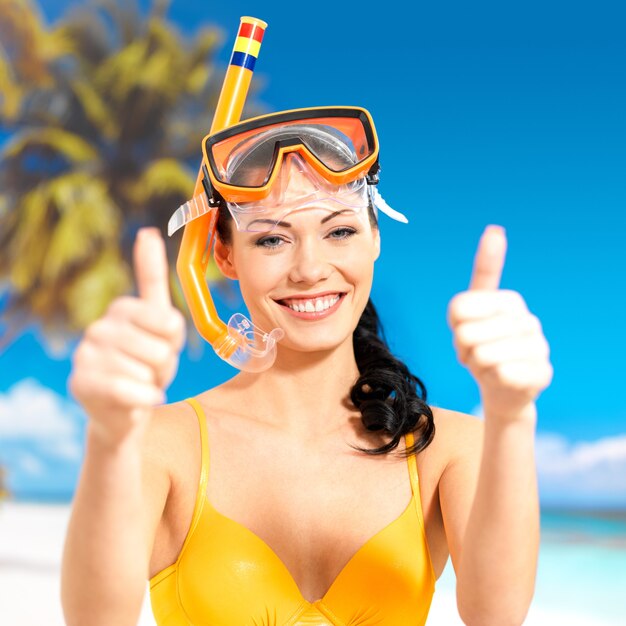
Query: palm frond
(64, 143)
(125, 18)
(61, 224)
(161, 177)
(90, 39)
(25, 248)
(10, 91)
(95, 108)
(98, 284)
(27, 43)
(87, 220)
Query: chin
(313, 343)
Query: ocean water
(581, 579)
(582, 564)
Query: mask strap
(192, 209)
(380, 204)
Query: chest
(314, 504)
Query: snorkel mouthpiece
(246, 346)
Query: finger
(166, 323)
(114, 362)
(477, 305)
(489, 259)
(474, 332)
(115, 391)
(111, 361)
(123, 336)
(151, 268)
(526, 376)
(496, 353)
(133, 394)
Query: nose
(309, 263)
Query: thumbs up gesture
(497, 338)
(129, 356)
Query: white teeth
(314, 306)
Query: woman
(303, 516)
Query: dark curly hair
(391, 399)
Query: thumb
(489, 259)
(151, 268)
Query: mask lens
(248, 158)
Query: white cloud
(587, 472)
(70, 449)
(40, 437)
(30, 410)
(557, 457)
(30, 464)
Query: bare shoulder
(458, 437)
(171, 470)
(171, 433)
(173, 438)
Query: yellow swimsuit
(226, 575)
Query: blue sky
(486, 113)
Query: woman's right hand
(128, 357)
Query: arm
(489, 493)
(120, 369)
(114, 518)
(490, 509)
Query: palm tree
(105, 111)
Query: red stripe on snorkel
(252, 31)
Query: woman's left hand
(498, 339)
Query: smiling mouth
(312, 305)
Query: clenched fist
(128, 357)
(497, 338)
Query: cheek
(357, 268)
(258, 274)
(359, 260)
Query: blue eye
(272, 242)
(268, 242)
(342, 233)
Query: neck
(305, 394)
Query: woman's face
(311, 275)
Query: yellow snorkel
(238, 342)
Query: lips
(313, 307)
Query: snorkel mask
(261, 170)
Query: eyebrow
(288, 225)
(334, 214)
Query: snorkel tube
(239, 342)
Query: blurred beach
(581, 580)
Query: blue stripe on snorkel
(244, 60)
